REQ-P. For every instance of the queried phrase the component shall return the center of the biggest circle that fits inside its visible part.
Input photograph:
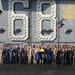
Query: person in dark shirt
(45, 48)
(49, 53)
(5, 55)
(23, 56)
(14, 55)
(65, 56)
(63, 52)
(59, 56)
(68, 56)
(11, 56)
(71, 56)
(54, 54)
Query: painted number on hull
(50, 17)
(40, 18)
(13, 17)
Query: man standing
(14, 55)
(48, 56)
(68, 56)
(1, 55)
(5, 55)
(65, 56)
(19, 55)
(23, 55)
(11, 54)
(72, 56)
(59, 56)
(54, 54)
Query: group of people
(36, 54)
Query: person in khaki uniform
(54, 49)
(34, 53)
(29, 49)
(1, 55)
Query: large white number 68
(41, 17)
(13, 16)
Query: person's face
(24, 47)
(35, 46)
(45, 47)
(59, 48)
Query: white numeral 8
(41, 17)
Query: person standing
(63, 52)
(1, 55)
(26, 56)
(68, 56)
(23, 56)
(65, 56)
(35, 50)
(72, 56)
(49, 56)
(41, 55)
(59, 56)
(11, 54)
(54, 54)
(45, 57)
(19, 55)
(5, 55)
(14, 55)
(29, 49)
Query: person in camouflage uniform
(19, 49)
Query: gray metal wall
(62, 37)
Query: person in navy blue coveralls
(23, 56)
(5, 55)
(59, 56)
(14, 55)
(49, 56)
